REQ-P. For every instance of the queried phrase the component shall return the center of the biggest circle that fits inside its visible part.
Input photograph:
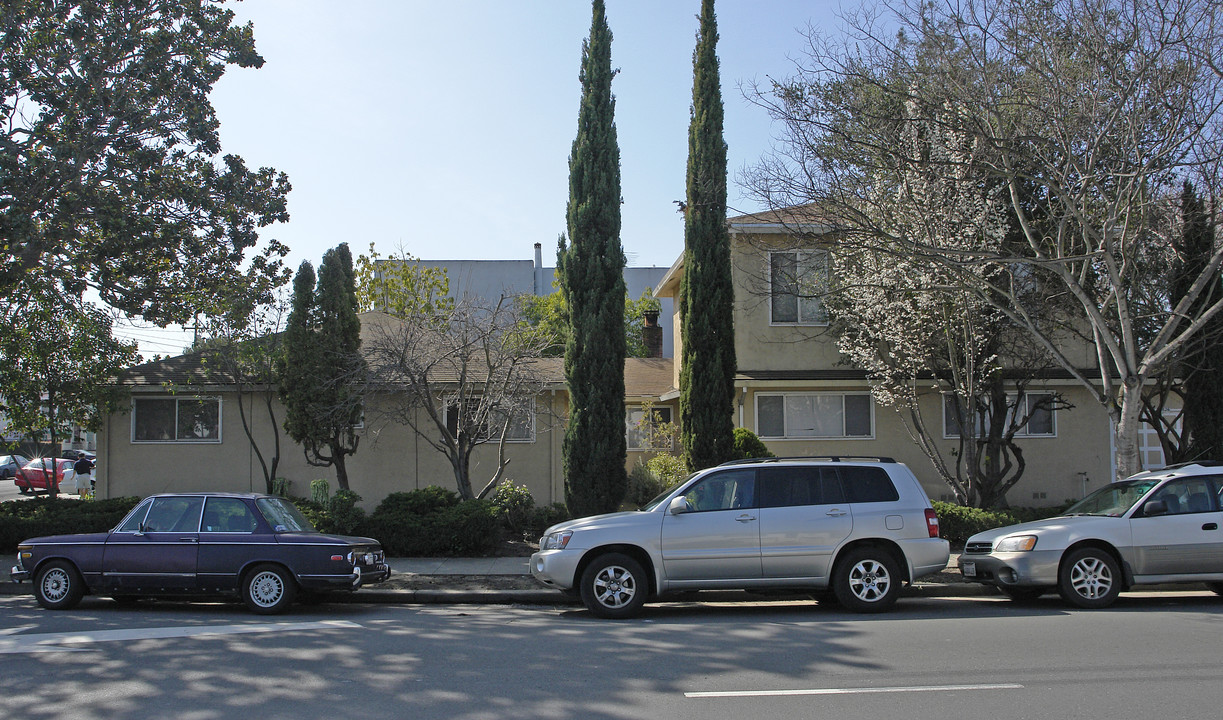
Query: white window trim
(799, 254)
(175, 441)
(870, 406)
(1022, 433)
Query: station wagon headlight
(556, 540)
(1016, 543)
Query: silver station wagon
(859, 527)
(1161, 526)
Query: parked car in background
(10, 464)
(36, 475)
(1163, 526)
(257, 547)
(860, 528)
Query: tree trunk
(1128, 419)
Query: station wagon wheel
(268, 589)
(58, 585)
(1089, 578)
(866, 580)
(614, 586)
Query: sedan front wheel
(58, 586)
(1089, 578)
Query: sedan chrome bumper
(19, 574)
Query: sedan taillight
(932, 522)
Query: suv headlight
(1016, 543)
(556, 540)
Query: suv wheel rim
(869, 581)
(614, 586)
(266, 589)
(1091, 578)
(55, 585)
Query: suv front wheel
(614, 586)
(866, 580)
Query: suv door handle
(745, 518)
(1211, 526)
(836, 512)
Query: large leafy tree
(1092, 113)
(706, 300)
(60, 371)
(322, 371)
(112, 176)
(591, 271)
(550, 314)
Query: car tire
(24, 489)
(1089, 578)
(1023, 595)
(614, 586)
(866, 580)
(58, 585)
(268, 589)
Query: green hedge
(958, 523)
(24, 519)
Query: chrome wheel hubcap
(55, 585)
(869, 581)
(1091, 578)
(266, 589)
(615, 587)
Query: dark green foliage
(591, 273)
(706, 301)
(747, 445)
(418, 502)
(957, 523)
(471, 527)
(24, 519)
(517, 508)
(544, 517)
(643, 486)
(322, 369)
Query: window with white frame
(1042, 423)
(798, 281)
(521, 427)
(814, 415)
(643, 434)
(176, 420)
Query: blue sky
(445, 127)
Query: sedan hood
(1067, 524)
(303, 538)
(68, 539)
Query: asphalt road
(1151, 655)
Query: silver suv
(1161, 526)
(859, 527)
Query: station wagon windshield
(1113, 500)
(283, 516)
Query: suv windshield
(283, 516)
(1113, 500)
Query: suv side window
(794, 486)
(727, 490)
(868, 484)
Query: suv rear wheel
(614, 586)
(866, 580)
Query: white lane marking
(851, 691)
(67, 642)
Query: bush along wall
(957, 523)
(37, 517)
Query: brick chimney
(651, 334)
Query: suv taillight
(932, 522)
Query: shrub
(470, 527)
(346, 518)
(417, 502)
(320, 491)
(516, 506)
(643, 486)
(24, 519)
(545, 517)
(668, 469)
(747, 445)
(957, 523)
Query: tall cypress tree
(1201, 362)
(706, 302)
(322, 370)
(591, 270)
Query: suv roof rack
(825, 458)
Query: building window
(521, 427)
(814, 415)
(643, 435)
(178, 420)
(1041, 424)
(798, 282)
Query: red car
(36, 475)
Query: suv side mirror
(679, 506)
(1155, 507)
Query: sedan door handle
(1211, 526)
(836, 512)
(188, 539)
(745, 518)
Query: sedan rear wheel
(1089, 578)
(268, 589)
(58, 586)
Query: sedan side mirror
(679, 506)
(1155, 507)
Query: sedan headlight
(556, 540)
(1016, 543)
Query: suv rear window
(868, 484)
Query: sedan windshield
(1113, 500)
(283, 516)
